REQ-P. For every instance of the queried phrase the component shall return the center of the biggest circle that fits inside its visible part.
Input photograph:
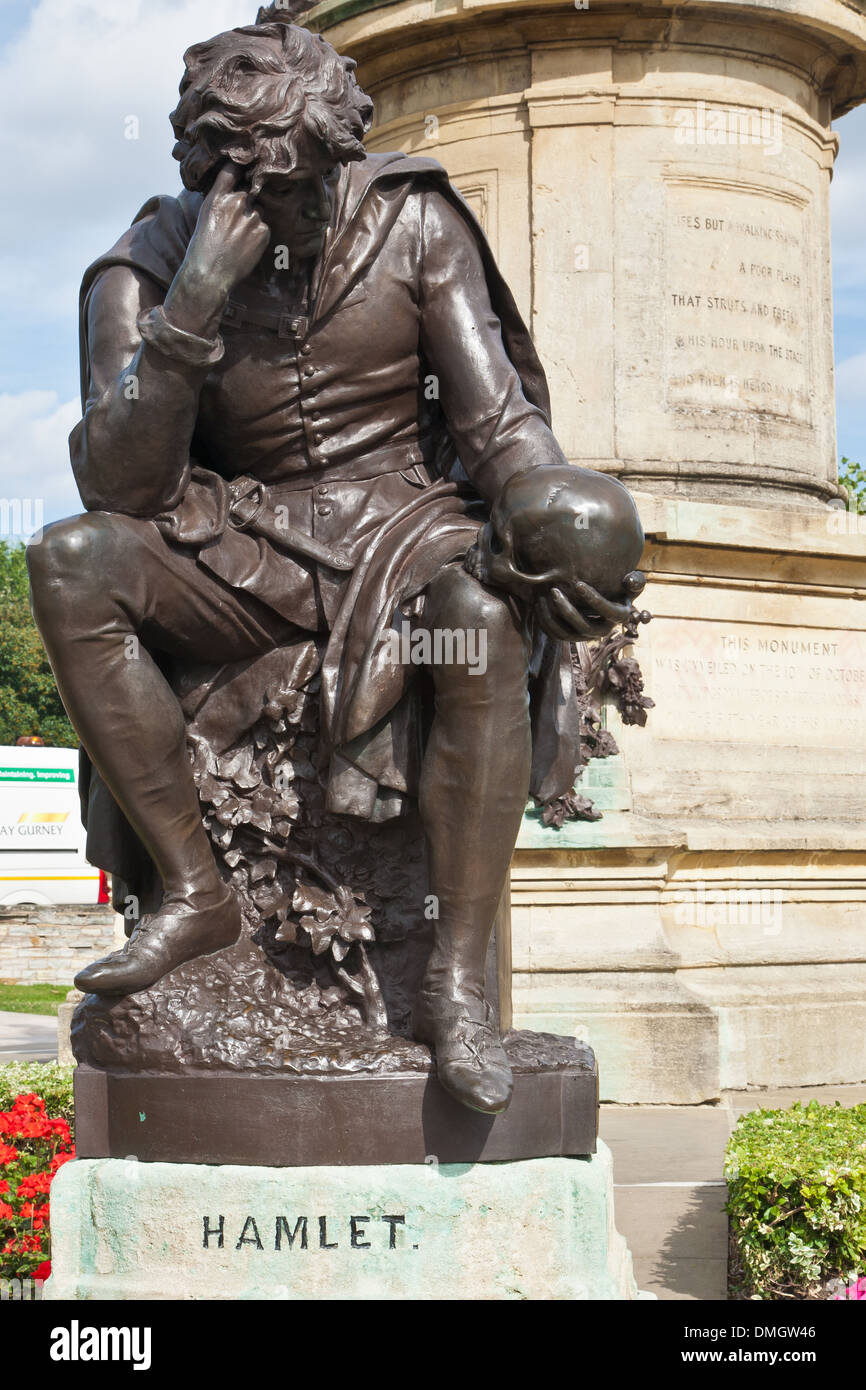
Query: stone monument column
(654, 179)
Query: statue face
(298, 208)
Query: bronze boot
(470, 1060)
(173, 935)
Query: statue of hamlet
(330, 575)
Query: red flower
(26, 1119)
(34, 1184)
(25, 1246)
(43, 1144)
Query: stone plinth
(654, 180)
(540, 1229)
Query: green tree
(852, 477)
(29, 702)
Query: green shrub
(852, 477)
(797, 1198)
(29, 702)
(46, 1079)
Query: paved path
(669, 1187)
(27, 1037)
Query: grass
(32, 999)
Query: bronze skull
(568, 540)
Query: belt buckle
(253, 493)
(234, 313)
(292, 326)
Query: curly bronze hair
(272, 97)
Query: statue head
(274, 99)
(568, 540)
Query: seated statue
(315, 430)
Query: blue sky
(72, 73)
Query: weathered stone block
(537, 1229)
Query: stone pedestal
(539, 1229)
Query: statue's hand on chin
(229, 240)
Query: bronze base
(320, 1120)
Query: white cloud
(846, 202)
(67, 83)
(851, 400)
(34, 460)
(69, 76)
(851, 381)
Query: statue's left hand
(229, 240)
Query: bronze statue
(313, 418)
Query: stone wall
(47, 945)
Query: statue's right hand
(230, 238)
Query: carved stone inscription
(757, 683)
(736, 302)
(307, 1232)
